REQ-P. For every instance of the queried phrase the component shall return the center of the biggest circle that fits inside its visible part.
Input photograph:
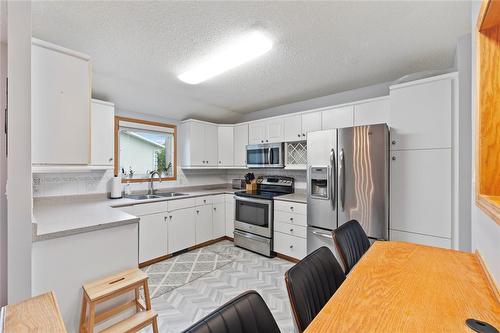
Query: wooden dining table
(403, 287)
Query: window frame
(117, 148)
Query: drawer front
(150, 208)
(181, 204)
(396, 235)
(291, 229)
(291, 207)
(287, 217)
(291, 246)
(219, 198)
(206, 200)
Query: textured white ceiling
(138, 49)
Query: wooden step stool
(111, 287)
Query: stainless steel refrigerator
(348, 178)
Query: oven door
(265, 156)
(254, 216)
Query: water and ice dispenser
(319, 178)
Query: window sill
(490, 205)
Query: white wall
(485, 231)
(19, 198)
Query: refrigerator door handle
(317, 233)
(333, 179)
(342, 178)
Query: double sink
(154, 196)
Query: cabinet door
(197, 143)
(275, 131)
(210, 145)
(102, 119)
(376, 112)
(181, 229)
(337, 117)
(421, 116)
(60, 108)
(293, 128)
(230, 207)
(153, 237)
(219, 220)
(257, 132)
(311, 122)
(240, 144)
(420, 200)
(204, 228)
(225, 145)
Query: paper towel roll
(116, 187)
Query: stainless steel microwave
(267, 155)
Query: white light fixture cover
(248, 47)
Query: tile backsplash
(95, 182)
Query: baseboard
(489, 276)
(287, 258)
(155, 260)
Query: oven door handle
(253, 200)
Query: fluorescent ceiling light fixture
(248, 47)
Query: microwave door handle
(333, 179)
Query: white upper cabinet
(266, 131)
(225, 145)
(293, 128)
(337, 117)
(60, 105)
(421, 114)
(102, 117)
(257, 132)
(296, 127)
(199, 143)
(373, 112)
(275, 131)
(311, 122)
(240, 144)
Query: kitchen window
(142, 147)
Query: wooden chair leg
(83, 313)
(91, 318)
(155, 325)
(146, 295)
(137, 300)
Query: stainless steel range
(253, 222)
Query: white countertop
(55, 217)
(299, 196)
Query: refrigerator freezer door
(317, 238)
(321, 155)
(363, 178)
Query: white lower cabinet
(153, 233)
(219, 220)
(181, 229)
(204, 228)
(230, 207)
(291, 246)
(396, 235)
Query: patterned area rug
(182, 269)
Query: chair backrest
(246, 313)
(311, 283)
(352, 243)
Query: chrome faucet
(151, 177)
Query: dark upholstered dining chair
(246, 313)
(351, 242)
(311, 282)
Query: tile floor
(179, 308)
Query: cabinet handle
(197, 212)
(215, 208)
(291, 218)
(393, 142)
(291, 246)
(298, 135)
(291, 207)
(204, 200)
(267, 141)
(291, 230)
(394, 158)
(110, 159)
(262, 141)
(303, 134)
(165, 219)
(219, 162)
(170, 216)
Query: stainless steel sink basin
(142, 196)
(170, 194)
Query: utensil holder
(252, 186)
